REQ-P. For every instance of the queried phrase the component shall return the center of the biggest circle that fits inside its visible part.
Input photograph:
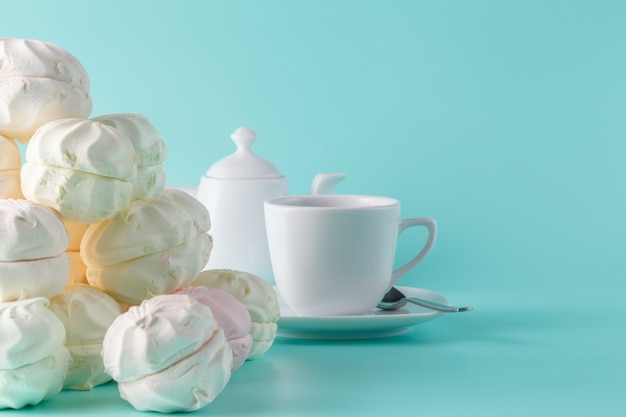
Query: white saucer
(377, 323)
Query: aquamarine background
(504, 120)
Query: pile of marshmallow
(101, 266)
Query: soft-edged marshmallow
(256, 294)
(35, 382)
(35, 278)
(33, 358)
(30, 231)
(83, 169)
(39, 82)
(167, 354)
(152, 247)
(163, 272)
(150, 149)
(231, 315)
(86, 313)
(10, 165)
(30, 332)
(33, 262)
(143, 228)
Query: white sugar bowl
(233, 190)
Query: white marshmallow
(35, 58)
(146, 139)
(198, 211)
(150, 182)
(157, 334)
(168, 354)
(77, 196)
(187, 385)
(256, 294)
(86, 313)
(86, 369)
(150, 149)
(83, 145)
(39, 82)
(35, 278)
(30, 332)
(30, 231)
(81, 168)
(35, 382)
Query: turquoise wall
(502, 119)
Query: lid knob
(243, 164)
(243, 137)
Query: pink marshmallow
(231, 316)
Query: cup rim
(341, 201)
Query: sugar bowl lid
(243, 163)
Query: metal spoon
(394, 299)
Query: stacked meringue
(168, 354)
(256, 294)
(33, 240)
(33, 358)
(100, 264)
(39, 82)
(152, 247)
(86, 314)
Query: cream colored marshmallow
(39, 82)
(86, 313)
(10, 164)
(163, 272)
(83, 169)
(30, 231)
(10, 157)
(78, 269)
(75, 231)
(10, 184)
(143, 228)
(167, 354)
(152, 247)
(256, 294)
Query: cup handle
(431, 225)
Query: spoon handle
(436, 306)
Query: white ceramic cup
(334, 254)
